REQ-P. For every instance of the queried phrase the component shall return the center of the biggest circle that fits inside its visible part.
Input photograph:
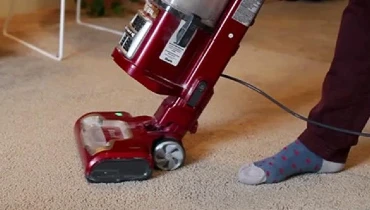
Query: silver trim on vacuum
(134, 34)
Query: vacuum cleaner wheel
(169, 155)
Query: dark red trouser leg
(345, 101)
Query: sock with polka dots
(293, 160)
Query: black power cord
(292, 112)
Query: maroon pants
(345, 101)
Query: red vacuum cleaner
(176, 48)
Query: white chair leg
(94, 26)
(59, 55)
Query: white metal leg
(59, 55)
(94, 26)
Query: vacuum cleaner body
(176, 48)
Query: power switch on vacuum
(197, 94)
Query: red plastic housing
(204, 61)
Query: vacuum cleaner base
(117, 147)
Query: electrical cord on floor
(292, 112)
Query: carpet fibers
(286, 53)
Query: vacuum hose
(292, 112)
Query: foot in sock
(295, 159)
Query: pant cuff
(321, 148)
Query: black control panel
(197, 94)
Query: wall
(29, 6)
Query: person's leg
(345, 99)
(345, 103)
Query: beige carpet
(286, 54)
